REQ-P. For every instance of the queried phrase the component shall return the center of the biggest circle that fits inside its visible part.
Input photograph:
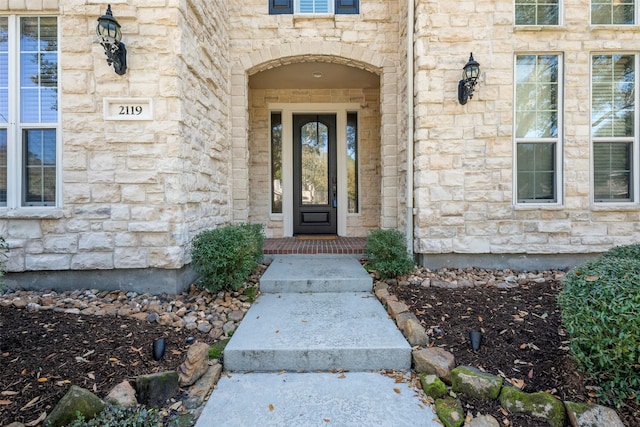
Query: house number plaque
(128, 109)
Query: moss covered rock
(450, 412)
(475, 383)
(586, 415)
(433, 386)
(77, 401)
(540, 405)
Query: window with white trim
(314, 7)
(613, 127)
(537, 12)
(537, 128)
(29, 124)
(613, 12)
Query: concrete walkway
(307, 352)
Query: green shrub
(225, 257)
(629, 251)
(386, 253)
(114, 416)
(600, 303)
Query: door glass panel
(352, 162)
(314, 138)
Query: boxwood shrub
(386, 253)
(224, 257)
(600, 303)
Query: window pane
(39, 167)
(38, 70)
(3, 167)
(536, 12)
(276, 162)
(4, 70)
(607, 12)
(536, 172)
(315, 164)
(612, 171)
(313, 6)
(352, 162)
(537, 96)
(613, 96)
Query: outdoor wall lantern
(470, 74)
(109, 32)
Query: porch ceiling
(314, 75)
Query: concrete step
(315, 273)
(317, 331)
(315, 399)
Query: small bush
(113, 416)
(386, 253)
(629, 251)
(225, 257)
(600, 304)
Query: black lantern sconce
(109, 32)
(470, 74)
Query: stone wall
(367, 40)
(134, 192)
(465, 154)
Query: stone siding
(465, 154)
(134, 192)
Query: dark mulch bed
(523, 340)
(43, 353)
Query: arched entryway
(315, 112)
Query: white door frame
(287, 111)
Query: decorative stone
(394, 308)
(475, 383)
(412, 329)
(154, 389)
(586, 415)
(436, 361)
(123, 395)
(195, 365)
(76, 400)
(198, 391)
(450, 412)
(540, 405)
(433, 386)
(483, 421)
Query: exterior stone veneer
(135, 193)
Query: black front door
(314, 174)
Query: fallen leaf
(63, 382)
(326, 420)
(504, 411)
(479, 318)
(517, 383)
(43, 379)
(5, 402)
(30, 404)
(9, 393)
(91, 375)
(397, 390)
(271, 408)
(343, 376)
(522, 346)
(176, 405)
(137, 350)
(176, 352)
(530, 374)
(37, 420)
(113, 359)
(591, 278)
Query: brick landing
(293, 245)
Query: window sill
(537, 206)
(31, 213)
(614, 206)
(527, 28)
(615, 27)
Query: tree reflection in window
(276, 162)
(314, 138)
(352, 162)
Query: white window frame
(558, 140)
(560, 15)
(330, 8)
(634, 140)
(15, 128)
(612, 24)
